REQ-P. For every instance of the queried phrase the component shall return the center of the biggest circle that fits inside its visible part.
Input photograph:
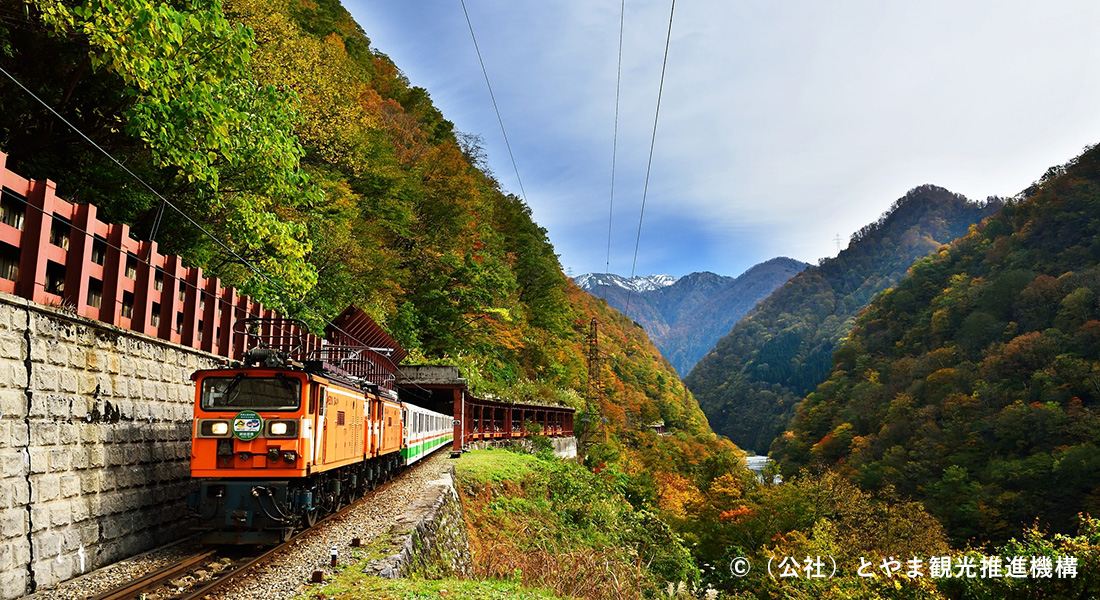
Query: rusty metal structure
(595, 386)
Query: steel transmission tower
(595, 388)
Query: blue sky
(782, 124)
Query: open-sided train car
(277, 444)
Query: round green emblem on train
(247, 425)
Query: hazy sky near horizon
(782, 124)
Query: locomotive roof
(313, 370)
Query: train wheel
(309, 518)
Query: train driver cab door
(405, 426)
(367, 426)
(318, 413)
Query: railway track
(151, 581)
(159, 584)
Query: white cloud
(782, 123)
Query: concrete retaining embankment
(564, 447)
(429, 538)
(95, 428)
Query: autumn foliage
(972, 386)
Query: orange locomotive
(282, 443)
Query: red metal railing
(490, 420)
(56, 253)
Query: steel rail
(226, 578)
(154, 579)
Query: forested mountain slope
(309, 155)
(752, 380)
(685, 319)
(975, 383)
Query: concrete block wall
(429, 539)
(94, 443)
(564, 447)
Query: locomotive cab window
(264, 393)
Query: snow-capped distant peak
(659, 281)
(590, 281)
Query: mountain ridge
(637, 283)
(749, 384)
(685, 317)
(971, 386)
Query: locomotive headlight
(281, 429)
(213, 428)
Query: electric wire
(500, 120)
(615, 135)
(652, 143)
(285, 294)
(186, 217)
(156, 222)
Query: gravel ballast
(287, 574)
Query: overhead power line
(615, 136)
(163, 200)
(485, 72)
(652, 143)
(277, 286)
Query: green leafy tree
(217, 143)
(750, 384)
(991, 345)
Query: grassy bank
(352, 584)
(558, 525)
(541, 528)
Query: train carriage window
(279, 393)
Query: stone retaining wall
(430, 538)
(564, 447)
(94, 443)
